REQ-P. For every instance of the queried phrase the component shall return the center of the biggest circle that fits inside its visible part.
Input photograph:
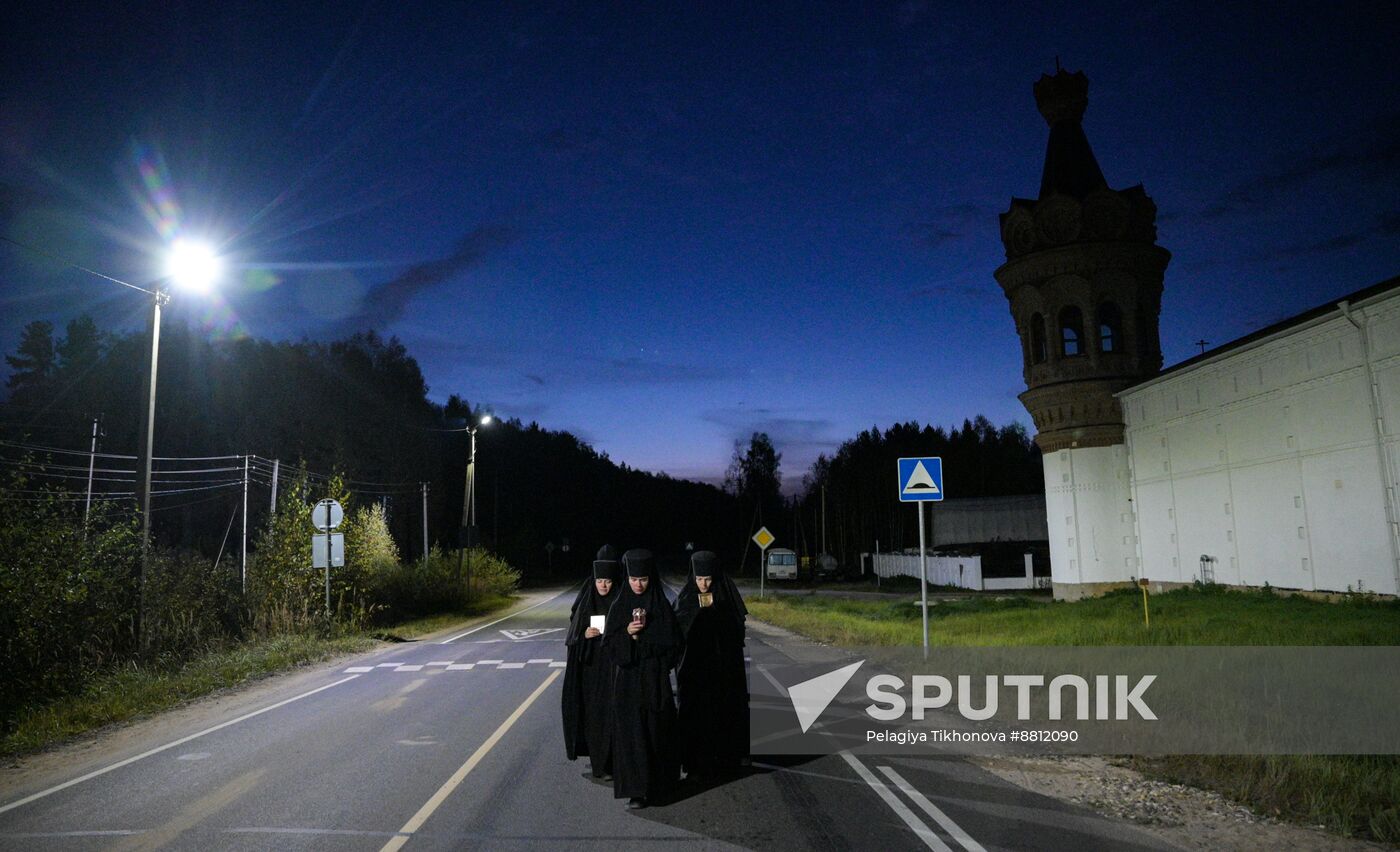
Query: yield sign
(520, 635)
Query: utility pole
(273, 508)
(244, 560)
(92, 463)
(425, 526)
(143, 465)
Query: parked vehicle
(781, 564)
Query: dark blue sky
(663, 227)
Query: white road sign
(318, 550)
(327, 515)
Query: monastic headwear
(638, 562)
(606, 566)
(703, 563)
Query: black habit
(711, 678)
(587, 699)
(644, 759)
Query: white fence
(962, 571)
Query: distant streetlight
(468, 533)
(190, 266)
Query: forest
(359, 408)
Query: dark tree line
(359, 407)
(859, 482)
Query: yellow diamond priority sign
(763, 538)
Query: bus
(781, 564)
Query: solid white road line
(934, 811)
(915, 824)
(416, 821)
(158, 749)
(499, 620)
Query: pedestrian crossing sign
(920, 479)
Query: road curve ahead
(455, 743)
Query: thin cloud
(1379, 150)
(948, 224)
(385, 303)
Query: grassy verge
(1182, 617)
(135, 691)
(1352, 795)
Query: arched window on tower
(1071, 332)
(1037, 339)
(1110, 328)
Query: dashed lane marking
(466, 667)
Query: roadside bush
(410, 590)
(70, 593)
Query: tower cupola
(1083, 276)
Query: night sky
(663, 227)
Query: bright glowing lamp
(193, 266)
(485, 418)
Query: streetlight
(195, 267)
(468, 535)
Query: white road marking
(933, 810)
(499, 620)
(461, 667)
(535, 662)
(529, 634)
(111, 833)
(916, 825)
(489, 662)
(558, 664)
(390, 665)
(408, 668)
(359, 669)
(158, 749)
(417, 820)
(440, 663)
(511, 666)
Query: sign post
(327, 549)
(1146, 619)
(763, 538)
(921, 481)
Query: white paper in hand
(597, 622)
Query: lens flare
(193, 266)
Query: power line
(69, 263)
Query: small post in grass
(1146, 620)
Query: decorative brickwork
(1083, 276)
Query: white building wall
(1268, 459)
(1089, 516)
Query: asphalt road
(455, 743)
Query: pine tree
(33, 362)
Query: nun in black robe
(711, 679)
(587, 699)
(643, 649)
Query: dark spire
(1070, 167)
